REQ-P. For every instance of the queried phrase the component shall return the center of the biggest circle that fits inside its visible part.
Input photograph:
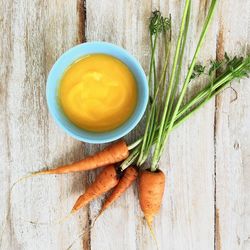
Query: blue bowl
(71, 56)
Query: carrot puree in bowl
(98, 93)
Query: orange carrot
(151, 189)
(106, 180)
(130, 174)
(114, 153)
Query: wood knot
(236, 145)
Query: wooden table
(207, 160)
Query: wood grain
(232, 122)
(206, 202)
(123, 23)
(187, 216)
(186, 220)
(34, 34)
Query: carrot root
(113, 153)
(151, 189)
(23, 178)
(80, 237)
(130, 175)
(152, 233)
(65, 218)
(106, 180)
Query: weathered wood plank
(34, 34)
(187, 217)
(232, 135)
(123, 23)
(186, 220)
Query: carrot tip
(73, 211)
(24, 178)
(64, 219)
(149, 220)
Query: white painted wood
(232, 136)
(33, 35)
(186, 220)
(123, 23)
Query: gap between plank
(82, 17)
(219, 56)
(81, 9)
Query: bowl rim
(113, 134)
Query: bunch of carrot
(123, 163)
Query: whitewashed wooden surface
(207, 162)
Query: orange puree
(98, 93)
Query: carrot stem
(158, 25)
(162, 138)
(171, 82)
